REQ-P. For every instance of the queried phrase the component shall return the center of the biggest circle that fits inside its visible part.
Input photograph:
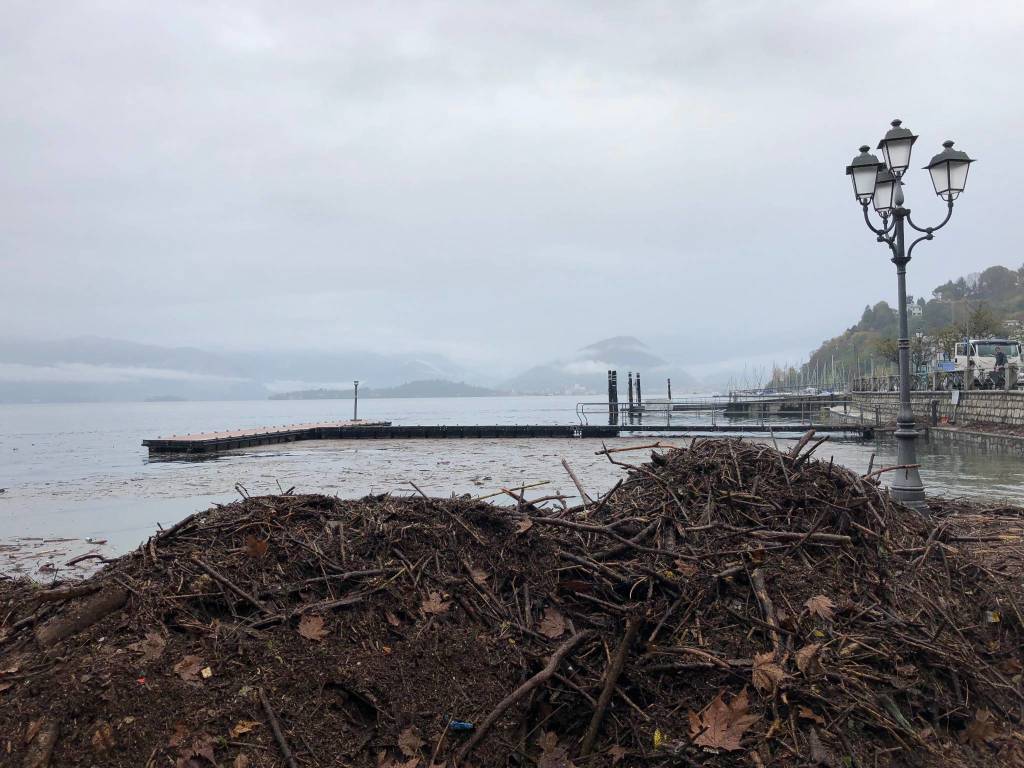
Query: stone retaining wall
(976, 406)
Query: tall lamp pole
(880, 184)
(355, 402)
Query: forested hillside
(982, 304)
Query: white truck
(979, 355)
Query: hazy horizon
(498, 185)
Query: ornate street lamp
(948, 170)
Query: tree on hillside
(981, 321)
(997, 282)
(888, 350)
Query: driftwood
(80, 616)
(611, 678)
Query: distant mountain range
(88, 368)
(586, 371)
(434, 388)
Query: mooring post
(639, 397)
(670, 391)
(611, 405)
(615, 395)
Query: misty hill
(586, 371)
(432, 388)
(96, 369)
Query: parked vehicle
(979, 355)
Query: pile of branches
(725, 604)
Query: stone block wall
(976, 406)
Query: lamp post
(880, 184)
(355, 402)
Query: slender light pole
(355, 403)
(881, 184)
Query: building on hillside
(916, 310)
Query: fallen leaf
(5, 686)
(32, 729)
(820, 755)
(199, 750)
(820, 606)
(524, 525)
(151, 647)
(242, 726)
(103, 739)
(178, 737)
(255, 547)
(553, 755)
(393, 620)
(616, 753)
(242, 761)
(553, 623)
(311, 627)
(479, 575)
(410, 743)
(723, 725)
(685, 568)
(807, 658)
(767, 674)
(979, 730)
(806, 713)
(435, 603)
(188, 668)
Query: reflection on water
(76, 471)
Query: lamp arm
(929, 230)
(871, 226)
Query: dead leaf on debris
(807, 658)
(721, 725)
(311, 627)
(685, 568)
(393, 620)
(199, 750)
(178, 737)
(242, 761)
(242, 726)
(435, 603)
(410, 742)
(821, 606)
(767, 674)
(479, 575)
(553, 755)
(524, 525)
(188, 668)
(806, 713)
(103, 738)
(32, 729)
(151, 647)
(616, 753)
(255, 547)
(979, 730)
(553, 623)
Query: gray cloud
(497, 182)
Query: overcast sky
(499, 182)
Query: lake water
(75, 471)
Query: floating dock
(210, 442)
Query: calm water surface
(73, 471)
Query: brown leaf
(255, 547)
(807, 658)
(242, 761)
(724, 724)
(979, 730)
(553, 623)
(103, 739)
(393, 620)
(242, 726)
(616, 753)
(820, 755)
(178, 737)
(32, 729)
(685, 568)
(806, 713)
(188, 668)
(410, 742)
(524, 525)
(479, 575)
(553, 755)
(821, 606)
(767, 674)
(151, 647)
(435, 603)
(311, 627)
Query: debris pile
(725, 604)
